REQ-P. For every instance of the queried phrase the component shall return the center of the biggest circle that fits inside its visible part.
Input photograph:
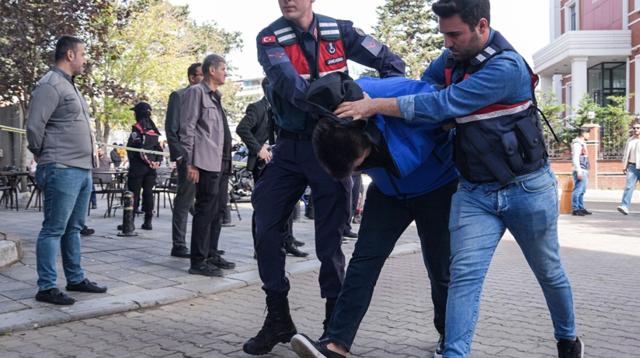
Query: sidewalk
(138, 271)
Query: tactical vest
(330, 52)
(503, 140)
(145, 137)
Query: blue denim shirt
(503, 79)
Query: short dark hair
(64, 44)
(470, 11)
(338, 146)
(211, 60)
(583, 130)
(191, 71)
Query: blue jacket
(422, 152)
(288, 88)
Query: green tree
(409, 28)
(615, 124)
(552, 110)
(148, 58)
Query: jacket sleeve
(245, 129)
(625, 158)
(576, 150)
(366, 50)
(283, 78)
(191, 103)
(172, 126)
(44, 101)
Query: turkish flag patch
(268, 39)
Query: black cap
(141, 107)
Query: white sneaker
(623, 210)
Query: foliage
(409, 28)
(552, 110)
(615, 124)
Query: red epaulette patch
(268, 39)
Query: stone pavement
(513, 320)
(601, 254)
(138, 270)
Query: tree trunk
(106, 132)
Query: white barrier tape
(24, 132)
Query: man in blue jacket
(414, 177)
(506, 182)
(294, 51)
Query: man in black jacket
(256, 129)
(186, 190)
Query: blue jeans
(66, 193)
(480, 213)
(579, 188)
(384, 219)
(633, 176)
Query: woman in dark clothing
(142, 166)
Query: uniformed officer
(294, 50)
(142, 166)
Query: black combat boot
(278, 327)
(147, 222)
(328, 311)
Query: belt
(293, 135)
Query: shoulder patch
(277, 55)
(372, 45)
(359, 31)
(269, 39)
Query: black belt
(293, 135)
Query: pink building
(593, 49)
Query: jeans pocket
(538, 184)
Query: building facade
(594, 47)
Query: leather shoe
(180, 251)
(220, 252)
(55, 296)
(205, 270)
(86, 286)
(297, 242)
(86, 231)
(577, 213)
(293, 251)
(586, 212)
(350, 234)
(220, 262)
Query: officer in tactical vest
(295, 50)
(506, 181)
(142, 166)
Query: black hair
(191, 71)
(470, 11)
(582, 131)
(64, 44)
(212, 60)
(338, 146)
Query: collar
(313, 28)
(208, 89)
(63, 74)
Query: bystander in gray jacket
(202, 129)
(172, 124)
(58, 128)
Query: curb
(42, 317)
(10, 250)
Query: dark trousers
(288, 229)
(144, 179)
(182, 203)
(282, 183)
(384, 219)
(356, 180)
(205, 231)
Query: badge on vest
(277, 55)
(331, 48)
(372, 45)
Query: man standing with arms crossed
(186, 190)
(206, 139)
(505, 183)
(60, 138)
(296, 49)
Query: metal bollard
(127, 227)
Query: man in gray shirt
(186, 190)
(60, 138)
(206, 139)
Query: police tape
(24, 132)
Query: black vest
(501, 141)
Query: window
(572, 17)
(636, 5)
(607, 79)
